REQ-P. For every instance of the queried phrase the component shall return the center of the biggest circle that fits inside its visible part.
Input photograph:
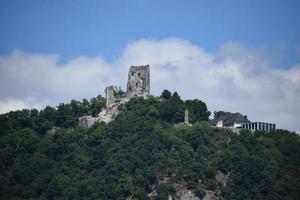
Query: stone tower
(138, 81)
(186, 116)
(110, 95)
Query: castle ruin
(138, 81)
(138, 85)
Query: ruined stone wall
(87, 121)
(138, 85)
(138, 81)
(110, 95)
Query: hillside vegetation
(144, 150)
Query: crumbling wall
(138, 85)
(87, 121)
(108, 114)
(110, 95)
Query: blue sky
(76, 27)
(235, 55)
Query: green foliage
(95, 105)
(163, 192)
(220, 113)
(197, 110)
(171, 108)
(64, 115)
(200, 193)
(137, 152)
(166, 94)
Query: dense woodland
(127, 158)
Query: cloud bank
(236, 78)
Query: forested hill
(144, 153)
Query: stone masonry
(138, 81)
(138, 85)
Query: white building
(259, 126)
(230, 120)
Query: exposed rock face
(181, 194)
(222, 178)
(210, 195)
(185, 194)
(138, 85)
(53, 130)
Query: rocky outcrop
(181, 194)
(53, 130)
(200, 193)
(210, 195)
(222, 178)
(185, 194)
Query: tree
(220, 113)
(96, 104)
(197, 110)
(166, 94)
(163, 191)
(141, 150)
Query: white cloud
(25, 75)
(10, 104)
(236, 78)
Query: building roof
(231, 118)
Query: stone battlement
(140, 67)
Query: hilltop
(145, 153)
